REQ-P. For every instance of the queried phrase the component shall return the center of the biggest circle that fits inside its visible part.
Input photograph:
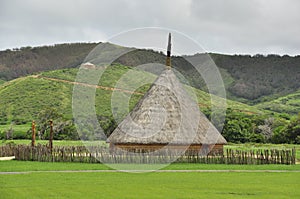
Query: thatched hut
(166, 118)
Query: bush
(19, 121)
(20, 135)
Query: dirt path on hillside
(156, 171)
(111, 89)
(87, 85)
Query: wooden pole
(168, 60)
(51, 135)
(33, 133)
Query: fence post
(294, 155)
(33, 133)
(51, 135)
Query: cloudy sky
(223, 26)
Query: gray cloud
(231, 26)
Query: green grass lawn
(57, 142)
(150, 185)
(14, 165)
(146, 185)
(22, 128)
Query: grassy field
(57, 142)
(150, 185)
(41, 182)
(14, 165)
(23, 128)
(287, 104)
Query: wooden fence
(95, 154)
(7, 150)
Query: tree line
(238, 128)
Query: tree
(43, 121)
(232, 131)
(267, 128)
(9, 133)
(88, 128)
(65, 130)
(108, 124)
(292, 132)
(238, 127)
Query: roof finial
(168, 61)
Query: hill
(248, 79)
(260, 78)
(22, 99)
(289, 104)
(27, 60)
(48, 95)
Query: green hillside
(23, 98)
(113, 74)
(268, 84)
(248, 79)
(289, 104)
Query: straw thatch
(166, 115)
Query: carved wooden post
(33, 133)
(51, 135)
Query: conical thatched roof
(166, 115)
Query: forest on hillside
(27, 60)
